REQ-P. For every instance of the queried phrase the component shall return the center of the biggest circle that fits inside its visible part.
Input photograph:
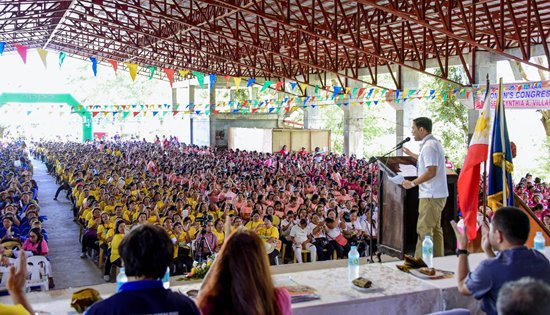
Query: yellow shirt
(18, 309)
(219, 235)
(251, 225)
(109, 209)
(115, 242)
(102, 233)
(266, 234)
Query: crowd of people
(312, 205)
(535, 193)
(21, 232)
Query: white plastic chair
(38, 274)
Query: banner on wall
(519, 95)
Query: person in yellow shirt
(114, 257)
(256, 223)
(119, 214)
(237, 224)
(103, 231)
(276, 220)
(218, 230)
(270, 235)
(189, 231)
(109, 205)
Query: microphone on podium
(400, 144)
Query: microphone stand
(371, 162)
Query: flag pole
(484, 194)
(502, 141)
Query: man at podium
(432, 185)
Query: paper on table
(397, 179)
(408, 170)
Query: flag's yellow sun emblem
(482, 125)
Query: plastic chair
(38, 274)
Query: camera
(203, 220)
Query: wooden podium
(398, 210)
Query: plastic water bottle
(353, 264)
(539, 242)
(121, 279)
(166, 279)
(428, 251)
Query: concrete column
(191, 101)
(212, 117)
(405, 113)
(312, 116)
(353, 128)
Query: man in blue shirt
(146, 252)
(506, 234)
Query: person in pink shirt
(284, 150)
(36, 243)
(242, 270)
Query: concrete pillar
(405, 113)
(214, 133)
(191, 102)
(312, 116)
(353, 128)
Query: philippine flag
(469, 178)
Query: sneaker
(55, 199)
(83, 255)
(107, 278)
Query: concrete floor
(69, 270)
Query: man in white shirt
(432, 185)
(301, 239)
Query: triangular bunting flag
(212, 80)
(250, 82)
(279, 85)
(151, 72)
(94, 65)
(200, 78)
(266, 85)
(183, 73)
(94, 114)
(62, 56)
(125, 114)
(135, 113)
(303, 87)
(155, 113)
(114, 63)
(132, 68)
(237, 81)
(2, 46)
(43, 54)
(22, 51)
(337, 90)
(174, 113)
(169, 75)
(293, 85)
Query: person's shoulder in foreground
(145, 297)
(146, 252)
